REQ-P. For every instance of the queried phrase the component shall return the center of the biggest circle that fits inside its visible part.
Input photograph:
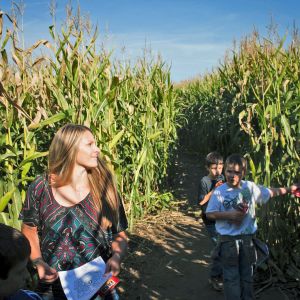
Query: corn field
(251, 105)
(130, 109)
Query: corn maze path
(169, 254)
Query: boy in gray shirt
(214, 166)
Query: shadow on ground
(169, 254)
(170, 262)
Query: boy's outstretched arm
(283, 190)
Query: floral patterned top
(69, 236)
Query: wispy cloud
(188, 54)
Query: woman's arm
(119, 249)
(46, 273)
(119, 244)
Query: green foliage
(130, 109)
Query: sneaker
(216, 283)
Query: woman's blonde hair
(62, 156)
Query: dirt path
(169, 254)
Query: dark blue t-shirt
(205, 186)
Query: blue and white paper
(84, 282)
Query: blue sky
(190, 35)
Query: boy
(232, 206)
(14, 255)
(214, 166)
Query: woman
(73, 214)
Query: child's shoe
(216, 283)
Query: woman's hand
(46, 273)
(113, 264)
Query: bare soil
(169, 254)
